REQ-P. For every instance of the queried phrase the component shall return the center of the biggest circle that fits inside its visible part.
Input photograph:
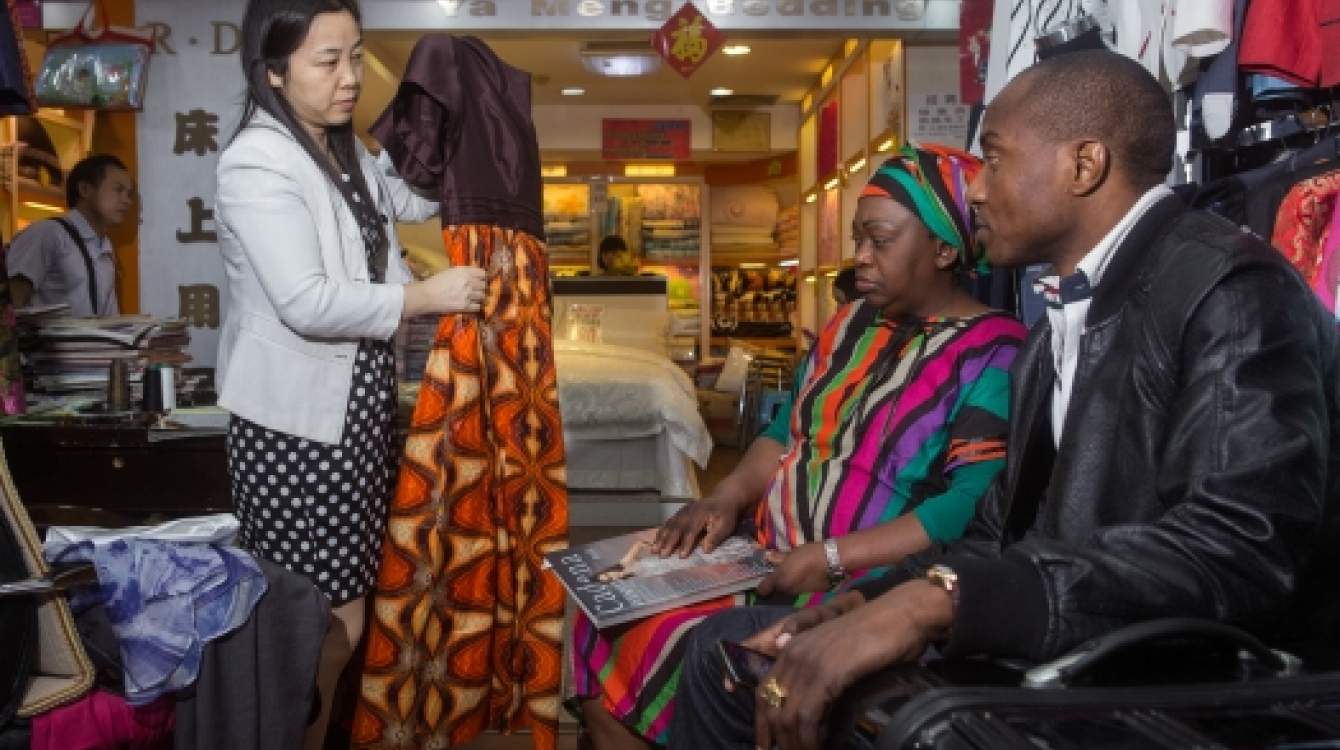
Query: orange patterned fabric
(466, 632)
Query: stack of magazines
(66, 356)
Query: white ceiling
(783, 67)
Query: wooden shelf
(36, 191)
(47, 115)
(687, 262)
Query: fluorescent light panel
(649, 170)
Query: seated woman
(896, 426)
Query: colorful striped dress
(887, 417)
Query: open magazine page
(618, 580)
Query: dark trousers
(706, 716)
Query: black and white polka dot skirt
(316, 508)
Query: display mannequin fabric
(465, 633)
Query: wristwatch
(836, 572)
(945, 577)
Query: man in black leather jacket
(1196, 382)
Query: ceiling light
(811, 197)
(736, 49)
(573, 91)
(554, 170)
(753, 265)
(44, 207)
(620, 58)
(722, 91)
(856, 165)
(791, 262)
(831, 183)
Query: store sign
(938, 118)
(647, 140)
(687, 40)
(192, 103)
(730, 15)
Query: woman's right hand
(712, 518)
(459, 289)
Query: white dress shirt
(45, 254)
(1067, 318)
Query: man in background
(70, 259)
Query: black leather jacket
(1196, 475)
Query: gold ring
(773, 693)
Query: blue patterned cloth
(165, 600)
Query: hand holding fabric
(459, 289)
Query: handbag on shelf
(96, 65)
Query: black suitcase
(1163, 684)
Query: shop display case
(568, 226)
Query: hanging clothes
(17, 96)
(466, 631)
(1288, 39)
(1303, 224)
(1264, 199)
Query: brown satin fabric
(460, 126)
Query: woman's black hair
(612, 243)
(272, 30)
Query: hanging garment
(1288, 39)
(466, 630)
(1264, 199)
(1303, 223)
(17, 96)
(11, 370)
(1015, 25)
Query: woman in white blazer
(316, 288)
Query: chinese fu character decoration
(687, 39)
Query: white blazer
(299, 295)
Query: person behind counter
(613, 257)
(317, 286)
(69, 259)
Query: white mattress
(611, 392)
(630, 420)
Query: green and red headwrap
(932, 182)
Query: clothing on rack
(1303, 225)
(1217, 84)
(466, 634)
(1294, 40)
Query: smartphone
(744, 666)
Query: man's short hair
(91, 171)
(1107, 97)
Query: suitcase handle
(1059, 672)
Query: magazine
(619, 580)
